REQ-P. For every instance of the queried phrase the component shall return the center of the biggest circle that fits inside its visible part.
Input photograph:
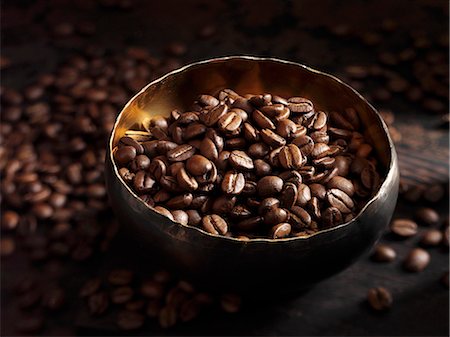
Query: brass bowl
(286, 265)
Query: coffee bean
(340, 200)
(431, 237)
(300, 105)
(289, 195)
(54, 299)
(417, 260)
(434, 193)
(152, 289)
(7, 246)
(214, 224)
(121, 295)
(124, 155)
(230, 303)
(168, 316)
(130, 320)
(10, 220)
(230, 122)
(98, 303)
(275, 215)
(383, 253)
(240, 160)
(181, 153)
(379, 298)
(120, 277)
(180, 216)
(269, 186)
(281, 230)
(272, 139)
(342, 184)
(186, 182)
(189, 310)
(404, 227)
(198, 165)
(427, 216)
(332, 216)
(215, 114)
(290, 157)
(233, 183)
(90, 287)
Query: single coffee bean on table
(417, 260)
(383, 253)
(379, 298)
(219, 165)
(404, 228)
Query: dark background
(330, 35)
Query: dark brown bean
(431, 238)
(240, 160)
(427, 216)
(290, 157)
(181, 153)
(214, 224)
(417, 260)
(383, 253)
(281, 230)
(379, 298)
(233, 183)
(130, 320)
(269, 186)
(404, 227)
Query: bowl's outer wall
(258, 264)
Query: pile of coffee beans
(251, 166)
(160, 296)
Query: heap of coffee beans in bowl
(251, 166)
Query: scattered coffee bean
(383, 253)
(431, 238)
(417, 260)
(427, 216)
(404, 227)
(379, 298)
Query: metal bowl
(257, 265)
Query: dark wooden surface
(296, 31)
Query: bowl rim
(391, 168)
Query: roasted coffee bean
(258, 150)
(180, 216)
(262, 168)
(120, 277)
(379, 298)
(168, 316)
(90, 287)
(54, 299)
(233, 182)
(121, 295)
(186, 182)
(214, 224)
(181, 201)
(434, 193)
(250, 224)
(130, 320)
(275, 215)
(427, 216)
(342, 184)
(431, 237)
(10, 220)
(383, 253)
(300, 105)
(198, 165)
(272, 139)
(230, 303)
(240, 160)
(124, 155)
(143, 183)
(208, 100)
(230, 122)
(304, 194)
(152, 289)
(286, 128)
(281, 230)
(290, 157)
(262, 120)
(417, 260)
(98, 303)
(331, 216)
(305, 144)
(181, 153)
(223, 204)
(289, 195)
(340, 200)
(404, 227)
(214, 115)
(269, 186)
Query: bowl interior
(178, 89)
